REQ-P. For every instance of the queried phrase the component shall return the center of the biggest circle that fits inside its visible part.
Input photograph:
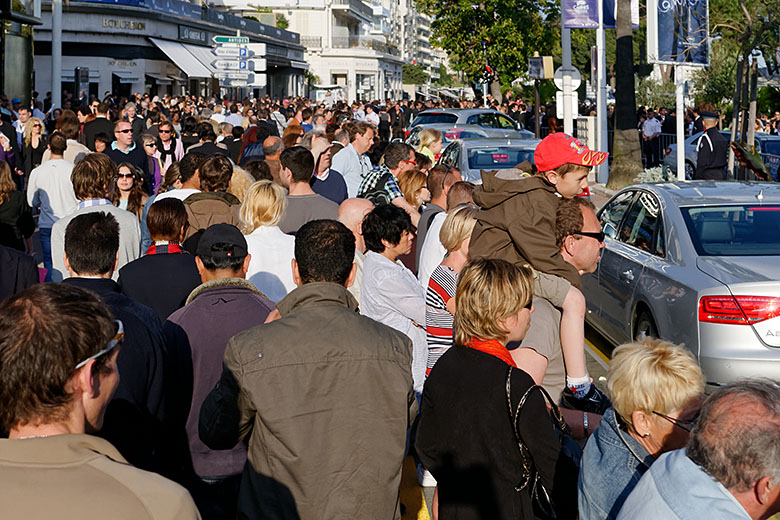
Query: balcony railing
(347, 42)
(357, 6)
(311, 42)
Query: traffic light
(488, 74)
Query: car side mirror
(610, 230)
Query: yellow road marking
(598, 354)
(412, 494)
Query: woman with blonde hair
(413, 186)
(430, 143)
(270, 267)
(656, 389)
(16, 221)
(466, 436)
(34, 144)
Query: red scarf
(494, 348)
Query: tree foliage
(511, 32)
(414, 74)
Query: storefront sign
(188, 34)
(678, 32)
(115, 23)
(121, 63)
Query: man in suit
(101, 124)
(207, 145)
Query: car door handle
(627, 275)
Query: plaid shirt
(163, 247)
(372, 178)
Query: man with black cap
(197, 335)
(713, 151)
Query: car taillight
(500, 158)
(406, 134)
(738, 310)
(451, 135)
(667, 151)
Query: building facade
(162, 47)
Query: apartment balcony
(355, 9)
(312, 42)
(363, 42)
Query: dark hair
(207, 134)
(189, 164)
(300, 161)
(324, 251)
(103, 138)
(136, 199)
(103, 108)
(423, 161)
(259, 170)
(290, 136)
(91, 243)
(386, 222)
(237, 132)
(92, 176)
(395, 153)
(460, 193)
(232, 262)
(45, 331)
(357, 128)
(189, 125)
(436, 180)
(215, 173)
(58, 143)
(568, 217)
(166, 218)
(306, 113)
(70, 129)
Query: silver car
(448, 133)
(472, 155)
(493, 122)
(694, 263)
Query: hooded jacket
(325, 414)
(516, 223)
(208, 208)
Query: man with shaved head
(351, 214)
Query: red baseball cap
(558, 149)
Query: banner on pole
(584, 14)
(678, 32)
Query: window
(429, 118)
(641, 222)
(750, 230)
(505, 122)
(487, 120)
(613, 213)
(498, 158)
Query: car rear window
(738, 230)
(498, 158)
(772, 147)
(455, 133)
(434, 117)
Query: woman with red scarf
(465, 437)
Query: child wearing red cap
(516, 222)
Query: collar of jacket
(58, 449)
(228, 198)
(222, 283)
(317, 292)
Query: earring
(646, 434)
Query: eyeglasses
(125, 131)
(118, 337)
(124, 176)
(150, 145)
(685, 425)
(161, 131)
(598, 235)
(410, 162)
(37, 125)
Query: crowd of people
(259, 309)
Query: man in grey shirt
(303, 205)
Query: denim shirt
(612, 464)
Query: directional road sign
(232, 52)
(231, 75)
(237, 40)
(229, 64)
(237, 83)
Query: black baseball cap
(232, 242)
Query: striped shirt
(438, 320)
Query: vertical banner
(678, 32)
(584, 14)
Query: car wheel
(690, 169)
(645, 326)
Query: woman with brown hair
(16, 221)
(413, 186)
(127, 192)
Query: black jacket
(136, 414)
(161, 281)
(138, 158)
(97, 126)
(17, 272)
(466, 440)
(16, 221)
(209, 148)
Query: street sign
(576, 78)
(237, 83)
(236, 40)
(232, 52)
(237, 75)
(228, 64)
(573, 101)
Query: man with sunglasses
(100, 124)
(126, 149)
(60, 347)
(135, 416)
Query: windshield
(434, 117)
(740, 230)
(772, 147)
(498, 157)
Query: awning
(299, 65)
(126, 76)
(203, 55)
(159, 78)
(70, 75)
(183, 59)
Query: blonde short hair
(428, 137)
(458, 226)
(488, 291)
(264, 204)
(240, 181)
(652, 375)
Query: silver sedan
(694, 263)
(470, 156)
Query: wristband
(585, 422)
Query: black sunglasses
(685, 425)
(126, 131)
(598, 235)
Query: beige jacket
(82, 477)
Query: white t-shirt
(432, 252)
(180, 194)
(50, 188)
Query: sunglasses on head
(118, 338)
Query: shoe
(594, 401)
(424, 477)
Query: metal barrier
(773, 163)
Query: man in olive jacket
(323, 395)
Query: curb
(602, 190)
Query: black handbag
(543, 504)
